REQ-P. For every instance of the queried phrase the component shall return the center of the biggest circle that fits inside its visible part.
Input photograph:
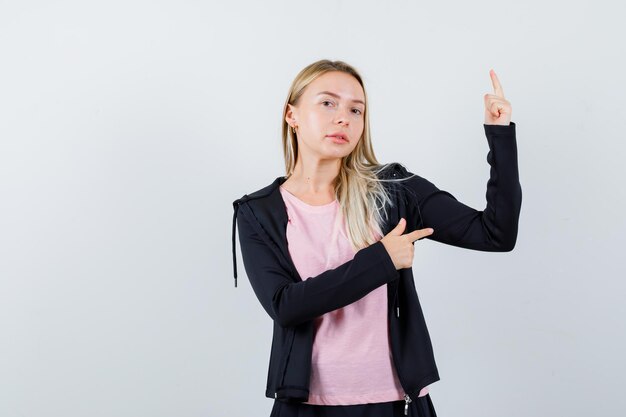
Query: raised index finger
(497, 87)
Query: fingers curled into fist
(497, 108)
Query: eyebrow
(337, 96)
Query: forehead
(337, 82)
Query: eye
(358, 111)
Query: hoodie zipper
(283, 372)
(395, 302)
(407, 400)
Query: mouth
(338, 137)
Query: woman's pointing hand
(400, 247)
(497, 108)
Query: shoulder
(407, 179)
(391, 170)
(261, 192)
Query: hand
(497, 108)
(400, 247)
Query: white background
(127, 128)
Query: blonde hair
(358, 188)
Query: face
(332, 104)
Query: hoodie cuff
(385, 258)
(500, 130)
(501, 138)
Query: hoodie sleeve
(493, 229)
(290, 303)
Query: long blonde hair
(358, 188)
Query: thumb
(399, 229)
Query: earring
(293, 129)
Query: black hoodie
(293, 303)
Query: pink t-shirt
(351, 361)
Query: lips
(339, 135)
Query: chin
(335, 155)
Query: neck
(314, 175)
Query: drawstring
(236, 207)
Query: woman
(328, 250)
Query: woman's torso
(351, 358)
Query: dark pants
(421, 407)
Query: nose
(342, 118)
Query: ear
(289, 114)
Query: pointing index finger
(497, 87)
(419, 234)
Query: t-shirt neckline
(295, 200)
